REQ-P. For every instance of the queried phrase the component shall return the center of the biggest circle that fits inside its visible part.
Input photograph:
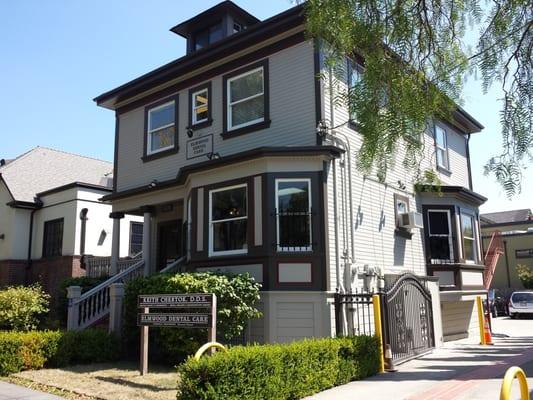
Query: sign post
(192, 311)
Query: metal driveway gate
(408, 318)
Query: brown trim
(296, 260)
(224, 48)
(205, 124)
(149, 157)
(24, 204)
(318, 87)
(216, 71)
(115, 151)
(329, 151)
(462, 193)
(55, 220)
(226, 133)
(116, 215)
(468, 164)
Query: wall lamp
(213, 156)
(153, 184)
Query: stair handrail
(494, 250)
(108, 282)
(173, 265)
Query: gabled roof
(512, 216)
(42, 169)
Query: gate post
(377, 325)
(73, 294)
(337, 302)
(116, 296)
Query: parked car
(520, 303)
(498, 306)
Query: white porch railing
(88, 308)
(97, 267)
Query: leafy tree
(416, 60)
(21, 306)
(525, 274)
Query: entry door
(169, 242)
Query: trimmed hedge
(32, 350)
(279, 371)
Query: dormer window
(237, 27)
(208, 36)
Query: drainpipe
(507, 264)
(39, 204)
(83, 217)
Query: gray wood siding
(292, 112)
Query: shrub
(21, 306)
(279, 371)
(35, 349)
(85, 282)
(236, 298)
(525, 274)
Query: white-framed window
(440, 235)
(355, 74)
(246, 99)
(293, 215)
(441, 146)
(469, 237)
(161, 132)
(136, 238)
(189, 228)
(200, 106)
(228, 220)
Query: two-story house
(220, 152)
(51, 216)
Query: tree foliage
(416, 60)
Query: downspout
(39, 204)
(83, 218)
(507, 264)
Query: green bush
(21, 306)
(86, 283)
(236, 298)
(279, 371)
(32, 350)
(525, 274)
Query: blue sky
(58, 55)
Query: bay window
(469, 238)
(440, 235)
(293, 214)
(228, 220)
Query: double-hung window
(355, 74)
(161, 128)
(469, 238)
(246, 98)
(53, 238)
(228, 221)
(441, 146)
(293, 214)
(136, 238)
(200, 106)
(440, 235)
(208, 36)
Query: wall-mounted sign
(192, 311)
(198, 147)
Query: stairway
(492, 255)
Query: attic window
(208, 36)
(237, 27)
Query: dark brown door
(169, 243)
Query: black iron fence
(354, 314)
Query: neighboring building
(220, 152)
(516, 229)
(50, 215)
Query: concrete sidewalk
(460, 370)
(9, 391)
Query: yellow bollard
(481, 320)
(377, 325)
(206, 347)
(514, 372)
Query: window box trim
(249, 126)
(210, 251)
(287, 249)
(152, 155)
(209, 121)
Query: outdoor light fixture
(153, 184)
(190, 132)
(213, 156)
(322, 128)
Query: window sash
(441, 135)
(150, 132)
(233, 103)
(212, 222)
(449, 236)
(355, 72)
(53, 238)
(196, 107)
(136, 238)
(471, 239)
(300, 214)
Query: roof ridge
(72, 154)
(20, 156)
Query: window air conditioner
(411, 220)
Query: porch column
(148, 212)
(115, 243)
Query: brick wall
(12, 272)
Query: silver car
(520, 303)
